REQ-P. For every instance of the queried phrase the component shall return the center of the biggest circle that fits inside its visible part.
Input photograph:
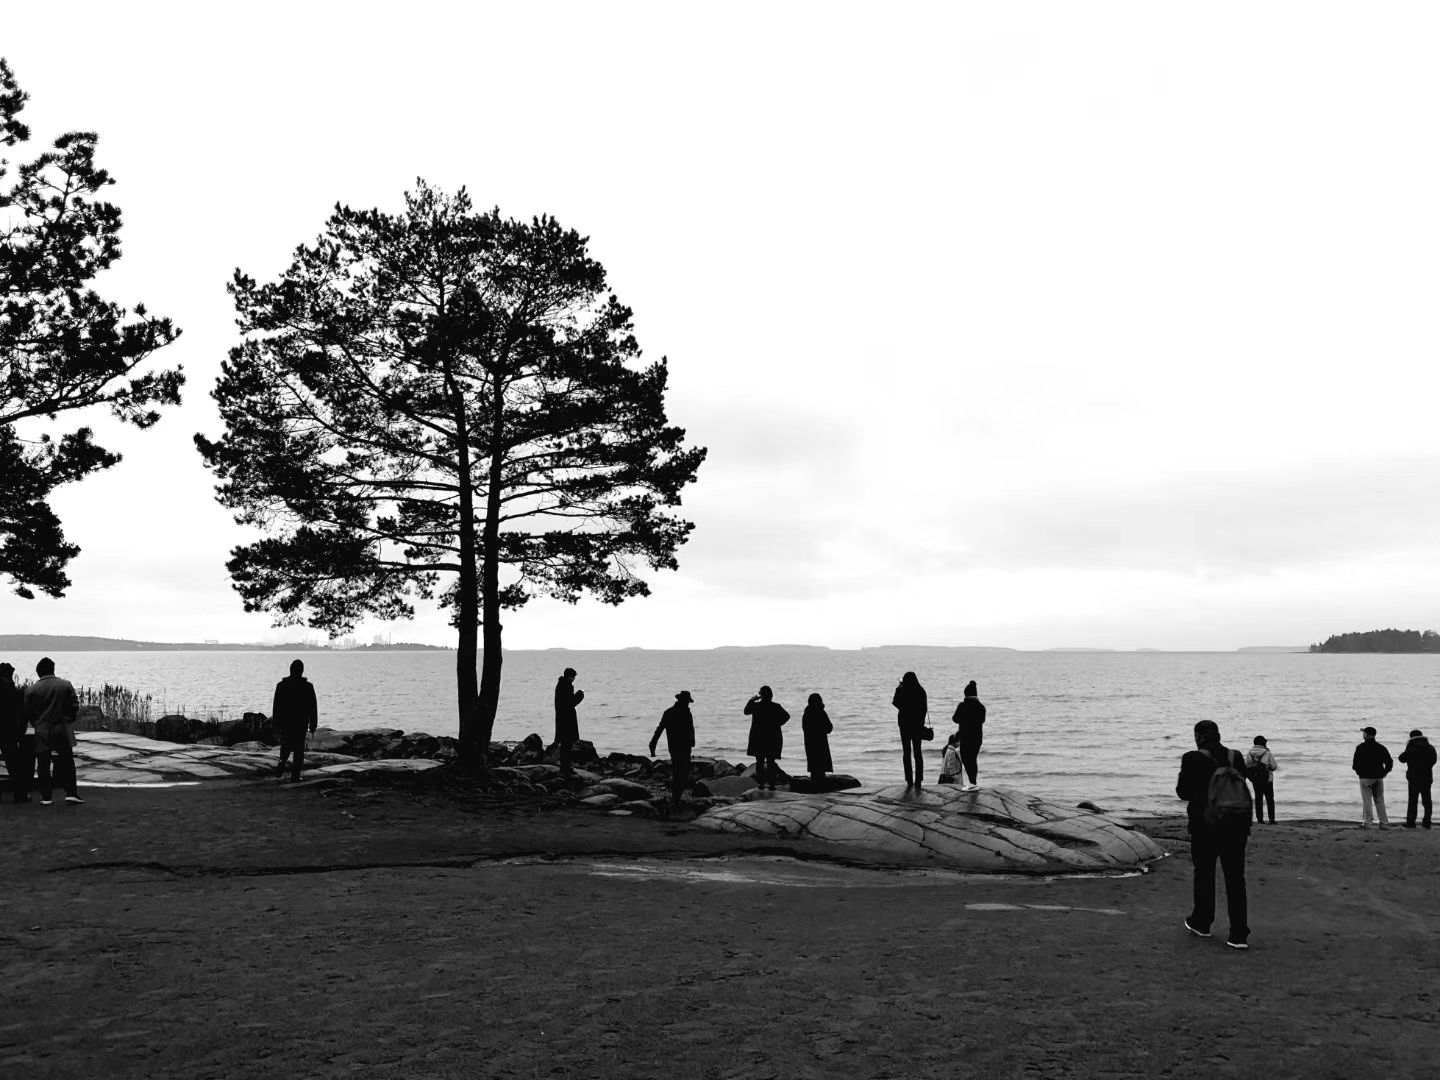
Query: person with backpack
(1213, 785)
(1260, 769)
(1371, 763)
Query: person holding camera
(767, 717)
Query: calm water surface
(1109, 727)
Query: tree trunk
(491, 657)
(475, 727)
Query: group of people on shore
(37, 733)
(1372, 763)
(766, 741)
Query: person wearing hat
(1260, 767)
(1372, 764)
(970, 715)
(567, 722)
(1419, 758)
(52, 707)
(18, 747)
(679, 728)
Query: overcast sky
(1038, 325)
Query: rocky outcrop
(829, 782)
(994, 829)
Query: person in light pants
(1372, 764)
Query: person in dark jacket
(1223, 840)
(767, 717)
(912, 705)
(1419, 759)
(679, 728)
(567, 722)
(295, 712)
(970, 715)
(815, 723)
(1371, 764)
(17, 746)
(51, 708)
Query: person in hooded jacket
(911, 706)
(767, 717)
(815, 723)
(294, 712)
(970, 716)
(1419, 759)
(1260, 767)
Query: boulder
(1091, 807)
(329, 740)
(91, 718)
(603, 799)
(829, 782)
(252, 727)
(534, 743)
(729, 786)
(252, 747)
(627, 790)
(178, 729)
(993, 829)
(581, 753)
(626, 762)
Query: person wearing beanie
(1260, 768)
(679, 728)
(970, 715)
(1419, 759)
(1371, 763)
(52, 707)
(18, 747)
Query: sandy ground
(255, 930)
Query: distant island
(1381, 641)
(48, 643)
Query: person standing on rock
(18, 747)
(294, 712)
(970, 715)
(52, 707)
(1222, 839)
(1371, 763)
(767, 717)
(679, 728)
(1419, 758)
(567, 723)
(815, 723)
(912, 705)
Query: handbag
(927, 733)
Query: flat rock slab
(994, 829)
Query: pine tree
(444, 404)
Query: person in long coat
(18, 747)
(911, 706)
(815, 723)
(767, 716)
(567, 721)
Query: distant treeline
(71, 643)
(1386, 641)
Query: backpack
(1228, 797)
(1258, 771)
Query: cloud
(1222, 524)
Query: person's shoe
(1242, 946)
(1383, 825)
(1409, 825)
(1425, 825)
(74, 800)
(45, 800)
(1197, 933)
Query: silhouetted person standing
(970, 715)
(1260, 767)
(767, 717)
(52, 707)
(679, 728)
(1223, 839)
(567, 722)
(815, 723)
(1371, 764)
(18, 747)
(911, 706)
(294, 712)
(1419, 759)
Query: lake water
(1109, 727)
